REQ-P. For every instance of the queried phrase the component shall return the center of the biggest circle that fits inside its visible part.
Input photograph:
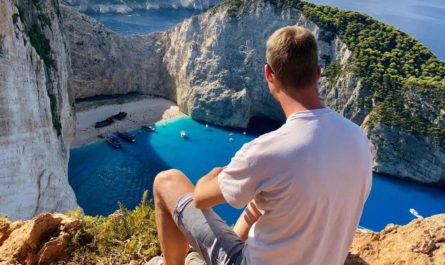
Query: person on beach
(304, 184)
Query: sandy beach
(141, 110)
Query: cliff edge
(59, 239)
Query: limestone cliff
(36, 116)
(128, 6)
(105, 63)
(218, 68)
(212, 66)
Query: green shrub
(41, 44)
(55, 116)
(15, 18)
(117, 239)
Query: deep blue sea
(145, 21)
(101, 176)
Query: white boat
(183, 134)
(415, 213)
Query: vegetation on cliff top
(117, 239)
(391, 65)
(395, 68)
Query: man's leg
(168, 187)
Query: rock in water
(36, 113)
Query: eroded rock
(420, 242)
(42, 240)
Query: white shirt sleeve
(239, 181)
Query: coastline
(141, 110)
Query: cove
(102, 176)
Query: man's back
(310, 179)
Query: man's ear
(268, 73)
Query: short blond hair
(292, 54)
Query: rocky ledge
(42, 240)
(47, 239)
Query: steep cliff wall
(218, 68)
(36, 117)
(128, 6)
(212, 66)
(105, 63)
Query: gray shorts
(208, 233)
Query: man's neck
(305, 99)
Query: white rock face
(105, 63)
(218, 67)
(33, 158)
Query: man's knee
(167, 179)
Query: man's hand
(207, 192)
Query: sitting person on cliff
(304, 184)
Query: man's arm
(207, 192)
(249, 216)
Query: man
(305, 184)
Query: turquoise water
(101, 176)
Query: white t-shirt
(310, 179)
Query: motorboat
(104, 123)
(126, 136)
(149, 128)
(114, 141)
(120, 116)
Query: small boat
(120, 116)
(149, 128)
(126, 136)
(104, 123)
(415, 213)
(114, 141)
(183, 134)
